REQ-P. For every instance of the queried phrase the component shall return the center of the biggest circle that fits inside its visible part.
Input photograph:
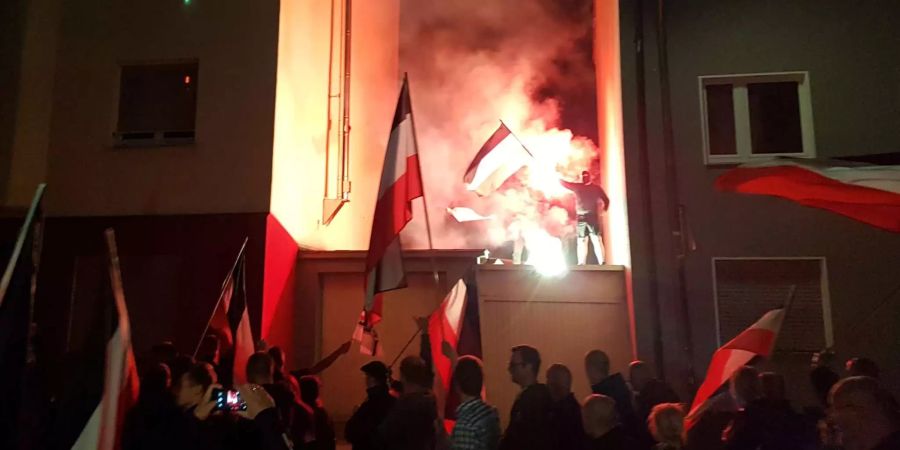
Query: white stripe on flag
(401, 145)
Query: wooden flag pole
(221, 293)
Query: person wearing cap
(362, 428)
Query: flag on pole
(757, 340)
(16, 304)
(867, 193)
(106, 385)
(401, 183)
(456, 322)
(497, 160)
(230, 322)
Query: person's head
(666, 423)
(194, 383)
(155, 380)
(863, 411)
(744, 385)
(182, 364)
(415, 374)
(309, 389)
(772, 386)
(277, 355)
(598, 415)
(468, 377)
(209, 349)
(260, 368)
(639, 374)
(862, 367)
(585, 177)
(163, 352)
(823, 379)
(559, 380)
(596, 365)
(377, 374)
(524, 364)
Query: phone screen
(228, 400)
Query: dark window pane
(720, 119)
(775, 118)
(161, 97)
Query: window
(745, 288)
(745, 117)
(157, 104)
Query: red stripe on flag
(873, 206)
(393, 211)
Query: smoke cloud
(474, 62)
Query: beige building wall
(227, 170)
(301, 117)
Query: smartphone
(228, 400)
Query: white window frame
(827, 325)
(742, 133)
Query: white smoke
(471, 63)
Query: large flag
(497, 160)
(16, 304)
(230, 322)
(867, 193)
(456, 321)
(401, 182)
(757, 340)
(106, 384)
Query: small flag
(463, 214)
(456, 321)
(757, 340)
(401, 183)
(105, 384)
(497, 160)
(867, 193)
(230, 322)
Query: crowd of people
(176, 408)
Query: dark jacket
(153, 423)
(654, 393)
(614, 386)
(296, 416)
(411, 423)
(565, 423)
(362, 427)
(324, 430)
(529, 421)
(766, 425)
(615, 439)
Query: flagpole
(517, 138)
(221, 293)
(412, 118)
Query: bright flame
(545, 253)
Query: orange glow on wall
(607, 58)
(301, 121)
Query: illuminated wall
(227, 170)
(607, 59)
(298, 161)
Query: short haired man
(412, 422)
(866, 413)
(596, 366)
(529, 421)
(565, 412)
(477, 423)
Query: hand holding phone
(228, 400)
